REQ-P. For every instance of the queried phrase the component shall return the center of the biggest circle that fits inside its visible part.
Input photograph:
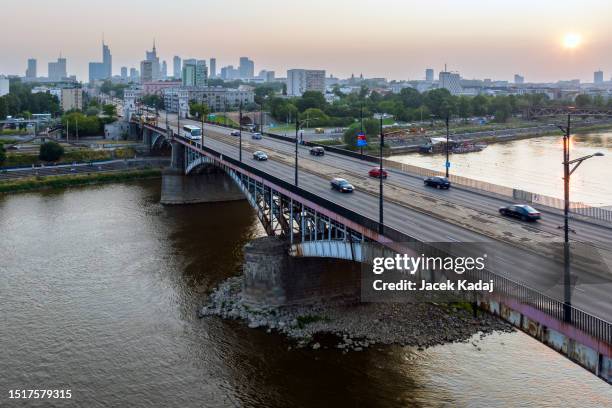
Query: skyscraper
(302, 80)
(195, 73)
(164, 70)
(518, 79)
(151, 56)
(450, 81)
(31, 70)
(429, 75)
(213, 68)
(57, 70)
(177, 71)
(246, 68)
(102, 70)
(598, 77)
(134, 75)
(124, 73)
(146, 71)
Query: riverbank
(356, 327)
(63, 181)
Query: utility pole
(567, 298)
(447, 165)
(381, 227)
(202, 121)
(240, 133)
(76, 121)
(297, 129)
(361, 126)
(67, 130)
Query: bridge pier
(273, 278)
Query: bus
(192, 132)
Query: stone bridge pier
(204, 184)
(274, 278)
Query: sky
(395, 39)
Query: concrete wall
(578, 346)
(273, 278)
(198, 188)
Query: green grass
(77, 155)
(220, 120)
(35, 183)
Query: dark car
(342, 185)
(437, 182)
(235, 133)
(376, 172)
(260, 156)
(521, 211)
(317, 151)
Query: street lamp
(298, 123)
(240, 133)
(447, 164)
(380, 174)
(567, 172)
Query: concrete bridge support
(273, 278)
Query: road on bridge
(419, 212)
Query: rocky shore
(356, 327)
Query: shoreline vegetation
(69, 180)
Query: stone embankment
(355, 326)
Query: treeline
(20, 101)
(408, 105)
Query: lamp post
(567, 172)
(240, 134)
(361, 126)
(297, 130)
(381, 227)
(447, 164)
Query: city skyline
(477, 39)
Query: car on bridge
(260, 156)
(521, 211)
(378, 173)
(235, 133)
(437, 182)
(341, 185)
(256, 136)
(317, 151)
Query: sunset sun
(572, 40)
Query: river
(99, 288)
(535, 165)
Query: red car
(376, 172)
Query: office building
(177, 67)
(302, 80)
(598, 77)
(72, 99)
(134, 75)
(102, 70)
(195, 73)
(450, 81)
(57, 70)
(164, 70)
(124, 73)
(31, 73)
(229, 73)
(247, 68)
(146, 71)
(4, 85)
(217, 98)
(213, 68)
(429, 75)
(518, 79)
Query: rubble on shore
(356, 326)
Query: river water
(535, 165)
(99, 288)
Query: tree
(440, 102)
(480, 105)
(314, 117)
(50, 151)
(411, 98)
(464, 108)
(501, 108)
(583, 101)
(109, 110)
(200, 110)
(311, 99)
(153, 101)
(371, 128)
(2, 153)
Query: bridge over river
(317, 221)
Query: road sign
(448, 165)
(361, 140)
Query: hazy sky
(396, 39)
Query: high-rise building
(518, 79)
(302, 80)
(146, 71)
(124, 73)
(4, 85)
(31, 70)
(178, 68)
(195, 73)
(450, 81)
(164, 70)
(429, 75)
(72, 98)
(229, 73)
(57, 70)
(213, 68)
(134, 75)
(598, 77)
(102, 70)
(246, 68)
(151, 56)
